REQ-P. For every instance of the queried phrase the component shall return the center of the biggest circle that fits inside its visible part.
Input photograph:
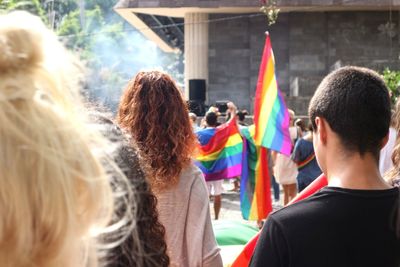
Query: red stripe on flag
(263, 191)
(259, 90)
(218, 141)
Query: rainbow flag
(220, 152)
(255, 190)
(270, 113)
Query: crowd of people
(79, 189)
(293, 173)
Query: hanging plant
(269, 8)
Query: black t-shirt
(335, 227)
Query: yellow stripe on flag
(269, 94)
(232, 141)
(253, 215)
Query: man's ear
(321, 129)
(385, 140)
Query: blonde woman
(55, 198)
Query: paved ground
(230, 209)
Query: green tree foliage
(112, 50)
(32, 6)
(392, 80)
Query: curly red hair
(154, 113)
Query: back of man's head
(355, 103)
(211, 119)
(241, 114)
(192, 117)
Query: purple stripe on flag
(227, 173)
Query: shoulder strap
(306, 161)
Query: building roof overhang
(151, 19)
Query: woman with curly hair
(145, 245)
(154, 113)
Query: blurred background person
(153, 112)
(215, 187)
(241, 115)
(285, 169)
(193, 119)
(213, 109)
(307, 165)
(275, 186)
(385, 158)
(55, 196)
(393, 175)
(301, 127)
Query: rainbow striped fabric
(270, 113)
(255, 190)
(302, 164)
(220, 152)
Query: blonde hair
(55, 197)
(291, 113)
(394, 173)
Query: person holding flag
(219, 151)
(269, 132)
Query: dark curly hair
(145, 246)
(154, 113)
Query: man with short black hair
(211, 119)
(215, 187)
(352, 221)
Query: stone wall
(307, 46)
(256, 3)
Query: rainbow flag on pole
(255, 190)
(270, 113)
(220, 152)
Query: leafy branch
(392, 80)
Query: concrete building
(222, 41)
